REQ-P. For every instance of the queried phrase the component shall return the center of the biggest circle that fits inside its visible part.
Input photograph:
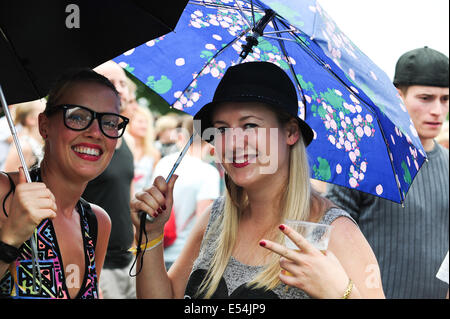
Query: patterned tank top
(18, 280)
(234, 282)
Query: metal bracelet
(348, 290)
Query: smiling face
(428, 108)
(251, 144)
(86, 153)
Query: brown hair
(72, 77)
(403, 88)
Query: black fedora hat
(256, 82)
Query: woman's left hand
(318, 274)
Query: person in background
(5, 135)
(410, 241)
(112, 190)
(236, 249)
(197, 187)
(144, 152)
(166, 134)
(31, 142)
(443, 136)
(132, 104)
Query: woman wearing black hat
(236, 247)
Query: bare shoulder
(345, 231)
(201, 223)
(347, 241)
(204, 217)
(103, 218)
(345, 223)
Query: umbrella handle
(144, 217)
(36, 269)
(257, 31)
(175, 166)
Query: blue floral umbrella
(364, 137)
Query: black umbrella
(41, 39)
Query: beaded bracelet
(348, 290)
(150, 245)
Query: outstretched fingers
(281, 250)
(300, 241)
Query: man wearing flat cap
(410, 242)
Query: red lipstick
(87, 151)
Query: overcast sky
(385, 29)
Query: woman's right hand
(156, 201)
(31, 203)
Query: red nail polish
(262, 243)
(163, 207)
(282, 227)
(159, 211)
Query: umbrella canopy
(364, 138)
(39, 40)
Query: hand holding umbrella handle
(144, 217)
(149, 218)
(34, 253)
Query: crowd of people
(106, 159)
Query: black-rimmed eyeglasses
(79, 118)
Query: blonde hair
(165, 122)
(296, 201)
(149, 139)
(23, 110)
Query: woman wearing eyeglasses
(80, 127)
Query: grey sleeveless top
(237, 275)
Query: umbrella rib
(223, 6)
(281, 31)
(253, 13)
(211, 59)
(155, 18)
(283, 49)
(241, 11)
(327, 67)
(332, 73)
(278, 38)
